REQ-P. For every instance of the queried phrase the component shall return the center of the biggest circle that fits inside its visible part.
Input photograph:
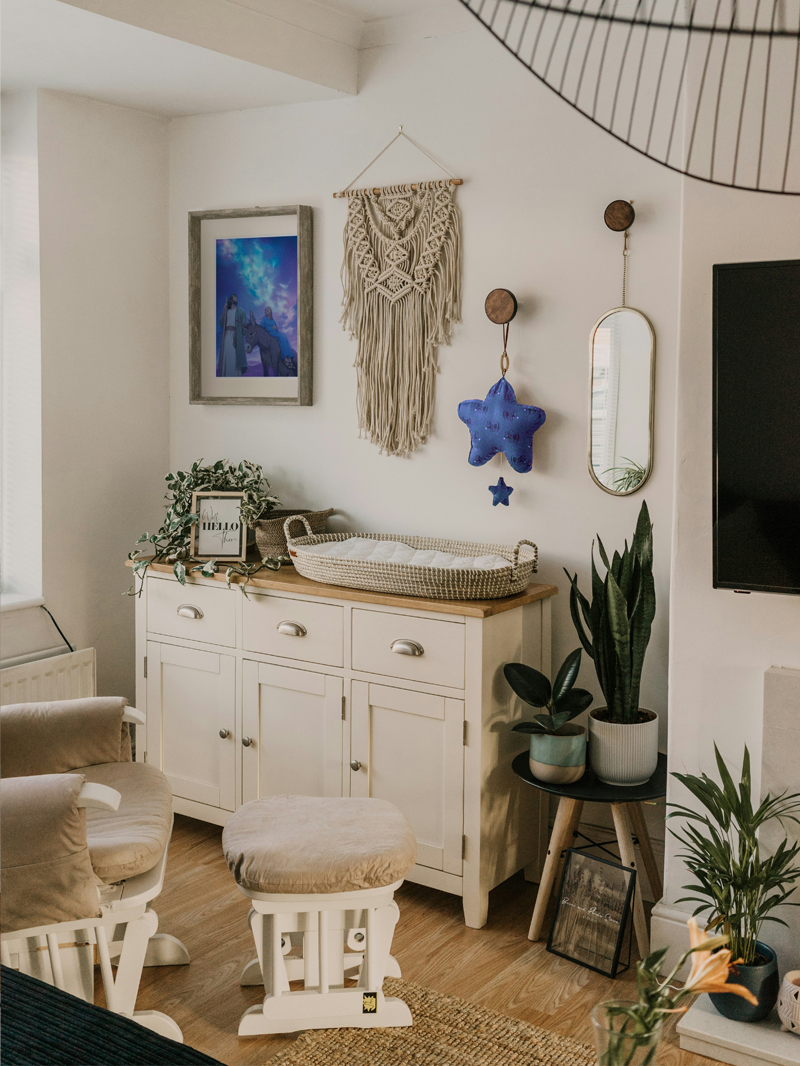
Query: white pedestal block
(704, 1031)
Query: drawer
(214, 609)
(442, 644)
(294, 629)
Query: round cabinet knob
(291, 629)
(224, 734)
(246, 742)
(407, 647)
(188, 610)
(355, 765)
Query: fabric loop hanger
(400, 133)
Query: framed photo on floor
(251, 306)
(219, 532)
(593, 907)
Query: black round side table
(626, 810)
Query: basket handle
(296, 518)
(515, 556)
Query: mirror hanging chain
(625, 270)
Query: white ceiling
(50, 45)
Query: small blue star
(500, 493)
(500, 424)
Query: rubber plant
(172, 541)
(614, 628)
(562, 700)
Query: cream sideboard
(310, 689)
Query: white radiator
(59, 677)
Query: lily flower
(710, 968)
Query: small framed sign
(219, 532)
(592, 910)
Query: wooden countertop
(288, 580)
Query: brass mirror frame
(651, 418)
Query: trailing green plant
(735, 885)
(626, 478)
(172, 541)
(619, 619)
(562, 700)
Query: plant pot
(789, 1002)
(761, 980)
(623, 755)
(616, 1042)
(559, 758)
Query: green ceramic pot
(761, 980)
(559, 758)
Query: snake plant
(562, 700)
(619, 619)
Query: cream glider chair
(85, 834)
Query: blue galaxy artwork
(256, 308)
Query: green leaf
(179, 570)
(574, 702)
(603, 554)
(567, 675)
(529, 684)
(527, 727)
(621, 635)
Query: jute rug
(447, 1031)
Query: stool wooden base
(322, 926)
(628, 818)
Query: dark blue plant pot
(762, 981)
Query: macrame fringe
(402, 294)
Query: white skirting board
(59, 677)
(704, 1031)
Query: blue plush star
(500, 493)
(500, 424)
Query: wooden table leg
(622, 827)
(646, 848)
(567, 818)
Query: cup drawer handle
(292, 629)
(407, 647)
(188, 610)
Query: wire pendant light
(709, 88)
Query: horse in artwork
(269, 347)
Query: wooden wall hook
(500, 306)
(619, 215)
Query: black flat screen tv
(757, 426)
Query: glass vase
(618, 1039)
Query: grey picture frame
(305, 307)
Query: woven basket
(406, 580)
(271, 536)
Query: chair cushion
(132, 839)
(309, 845)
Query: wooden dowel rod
(453, 181)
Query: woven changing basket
(407, 580)
(270, 534)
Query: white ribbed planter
(623, 754)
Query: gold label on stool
(370, 1003)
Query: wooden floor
(496, 967)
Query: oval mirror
(623, 350)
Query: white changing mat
(394, 551)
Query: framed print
(219, 532)
(251, 306)
(592, 910)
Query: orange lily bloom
(710, 968)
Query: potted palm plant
(735, 885)
(558, 749)
(614, 629)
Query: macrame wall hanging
(402, 293)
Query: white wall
(537, 179)
(721, 643)
(20, 380)
(103, 224)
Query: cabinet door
(294, 721)
(410, 746)
(191, 696)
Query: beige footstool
(321, 874)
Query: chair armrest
(47, 874)
(54, 738)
